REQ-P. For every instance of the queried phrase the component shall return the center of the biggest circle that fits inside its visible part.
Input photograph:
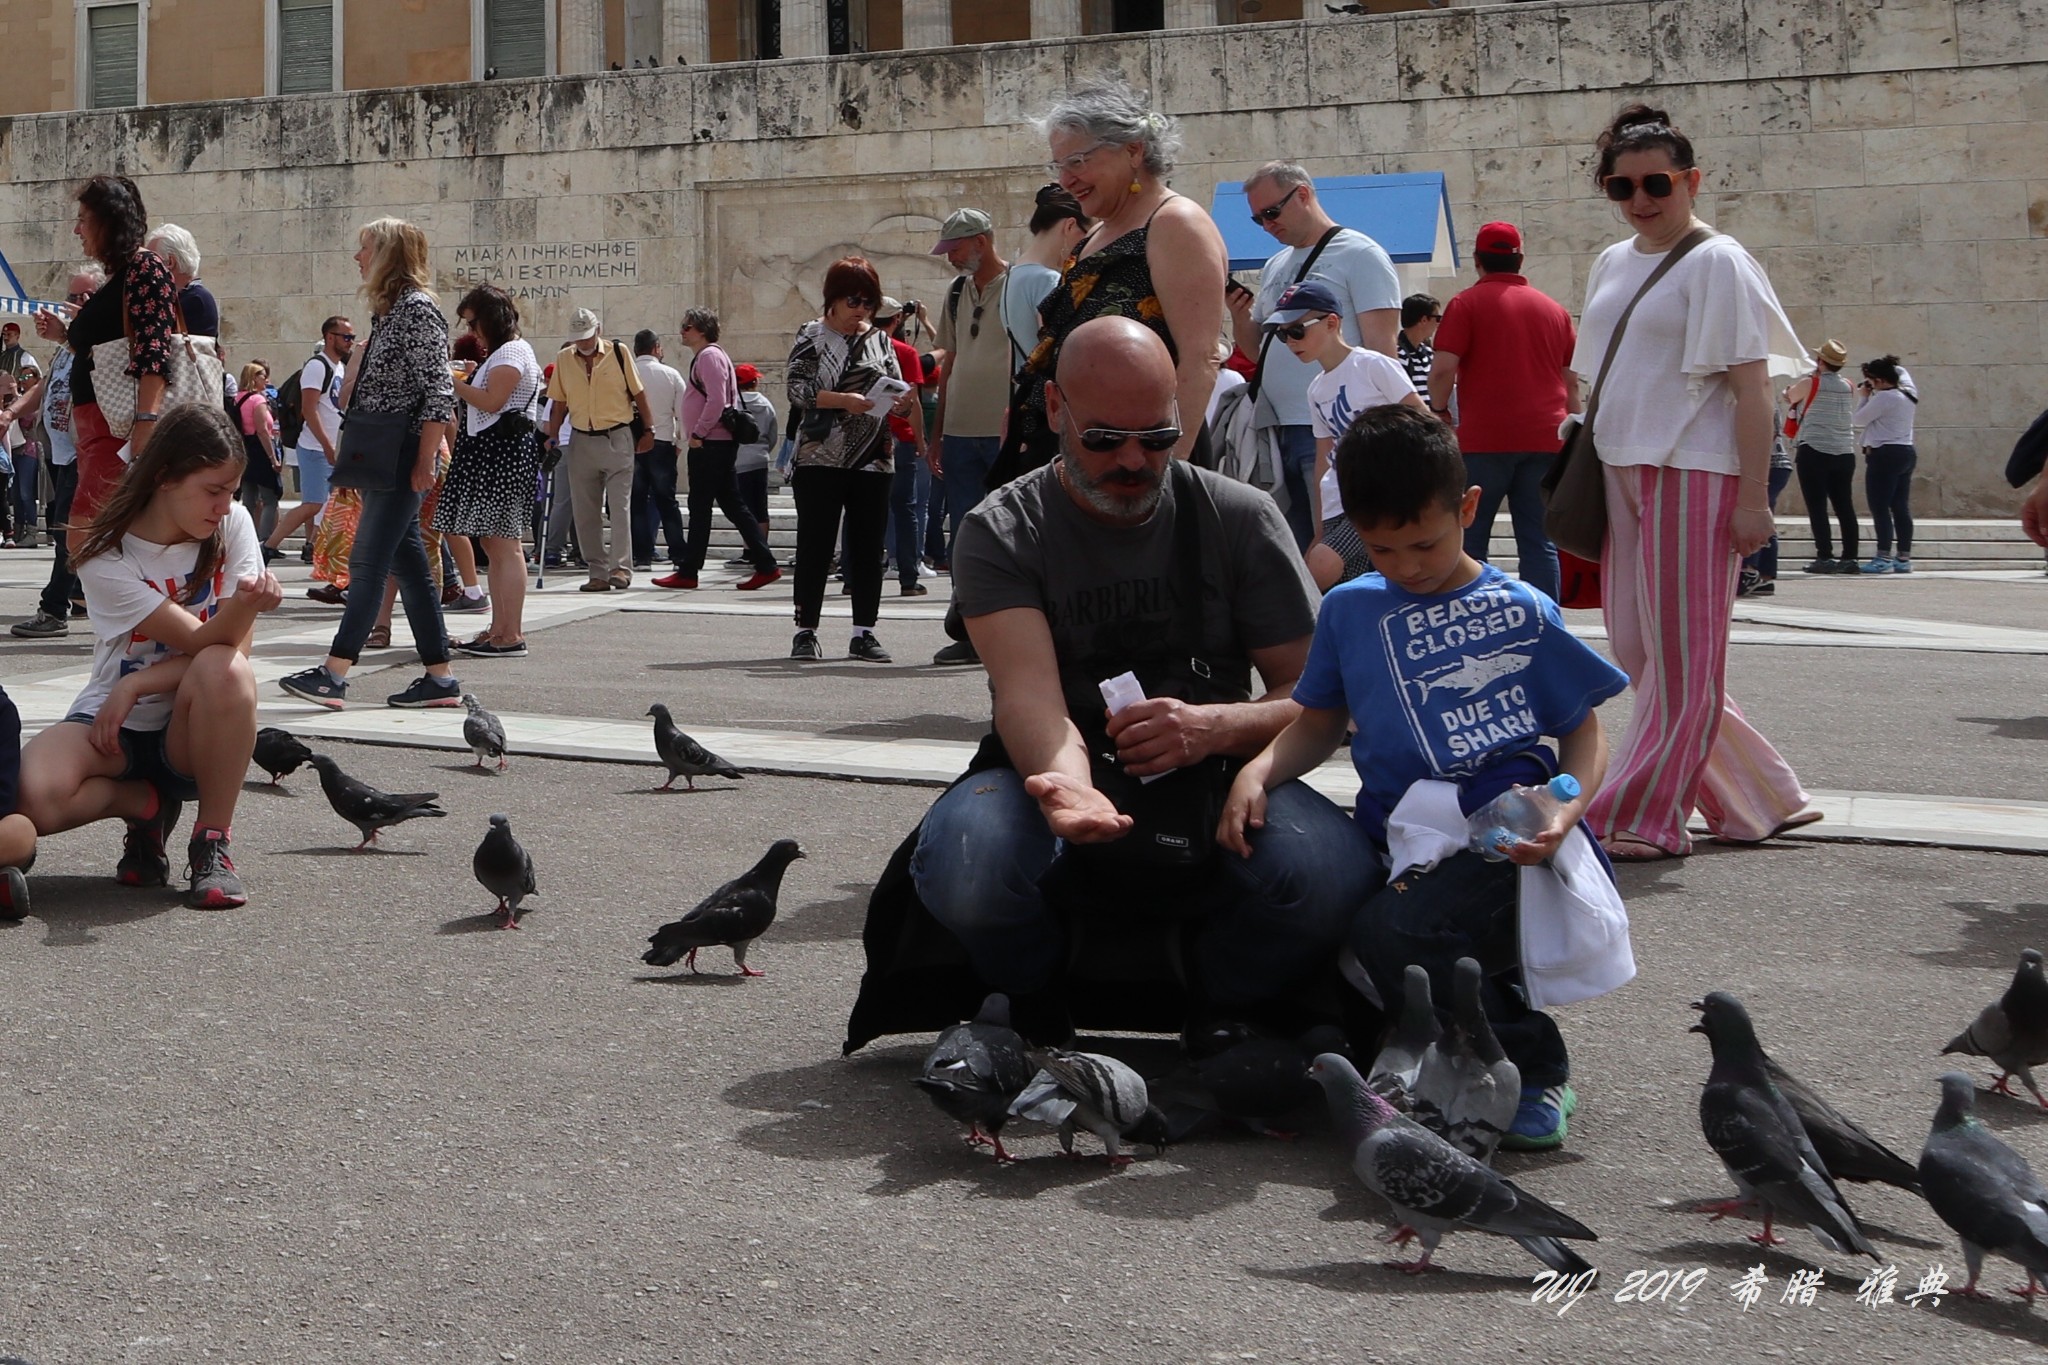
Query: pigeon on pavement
(1400, 1061)
(1088, 1090)
(279, 753)
(1467, 1090)
(368, 809)
(685, 757)
(483, 732)
(1434, 1187)
(735, 914)
(1983, 1189)
(1254, 1081)
(1753, 1128)
(976, 1071)
(1848, 1152)
(505, 869)
(2014, 1032)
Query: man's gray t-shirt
(1359, 272)
(1108, 592)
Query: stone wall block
(1584, 225)
(1917, 156)
(444, 121)
(1877, 329)
(1811, 160)
(504, 222)
(1975, 95)
(1893, 35)
(1018, 81)
(937, 89)
(505, 117)
(2006, 150)
(1994, 32)
(2037, 208)
(1815, 275)
(1113, 56)
(1437, 56)
(1879, 214)
(313, 130)
(1983, 333)
(1192, 79)
(1767, 218)
(1601, 47)
(2015, 269)
(1945, 272)
(1973, 210)
(646, 108)
(787, 100)
(1566, 118)
(1468, 123)
(1519, 173)
(568, 109)
(1265, 66)
(1460, 177)
(959, 149)
(1729, 163)
(1355, 63)
(724, 101)
(1696, 44)
(1742, 110)
(1866, 101)
(1795, 38)
(1390, 128)
(1517, 49)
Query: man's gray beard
(1123, 507)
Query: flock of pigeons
(1422, 1125)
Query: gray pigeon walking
(1983, 1189)
(2014, 1032)
(1434, 1187)
(483, 732)
(1467, 1090)
(975, 1072)
(1253, 1081)
(735, 914)
(685, 757)
(1848, 1152)
(279, 753)
(1757, 1134)
(1088, 1090)
(368, 809)
(504, 868)
(1395, 1070)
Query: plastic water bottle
(1518, 815)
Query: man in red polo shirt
(1505, 348)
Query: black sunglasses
(1272, 211)
(1102, 440)
(1657, 184)
(1295, 331)
(858, 301)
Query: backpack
(1242, 451)
(291, 419)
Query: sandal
(379, 638)
(1784, 827)
(1630, 848)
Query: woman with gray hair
(1152, 255)
(179, 250)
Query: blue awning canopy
(1408, 214)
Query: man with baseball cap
(1504, 348)
(974, 375)
(598, 392)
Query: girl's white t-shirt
(516, 354)
(121, 590)
(1667, 400)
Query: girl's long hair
(398, 262)
(190, 437)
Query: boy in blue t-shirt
(1450, 671)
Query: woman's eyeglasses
(1067, 165)
(1657, 184)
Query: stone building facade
(1887, 162)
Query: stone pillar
(1190, 13)
(685, 31)
(927, 23)
(1055, 18)
(803, 28)
(579, 37)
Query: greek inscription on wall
(542, 270)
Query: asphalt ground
(354, 1122)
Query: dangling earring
(1136, 188)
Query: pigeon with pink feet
(1983, 1189)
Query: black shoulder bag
(376, 448)
(736, 420)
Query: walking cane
(550, 460)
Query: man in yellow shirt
(597, 390)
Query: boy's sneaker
(1541, 1123)
(1765, 588)
(214, 883)
(464, 603)
(143, 862)
(1824, 564)
(868, 649)
(13, 893)
(1903, 564)
(806, 646)
(316, 685)
(428, 690)
(41, 626)
(959, 652)
(1878, 564)
(1747, 584)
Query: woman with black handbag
(489, 490)
(398, 403)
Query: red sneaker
(759, 580)
(675, 580)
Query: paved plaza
(353, 1121)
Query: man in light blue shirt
(1357, 270)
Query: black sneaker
(78, 611)
(316, 685)
(13, 893)
(868, 649)
(805, 646)
(143, 861)
(214, 883)
(913, 590)
(1848, 564)
(1824, 565)
(959, 652)
(485, 649)
(428, 690)
(1747, 584)
(1767, 588)
(41, 626)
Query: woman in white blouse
(1885, 417)
(1684, 431)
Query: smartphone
(1232, 288)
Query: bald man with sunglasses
(1113, 559)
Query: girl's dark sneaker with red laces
(214, 883)
(13, 893)
(143, 860)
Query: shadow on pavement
(259, 787)
(72, 907)
(2028, 727)
(825, 921)
(700, 977)
(347, 851)
(928, 725)
(473, 924)
(1381, 1277)
(1989, 939)
(787, 668)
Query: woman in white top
(489, 489)
(1684, 431)
(1885, 417)
(1057, 227)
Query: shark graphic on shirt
(1473, 675)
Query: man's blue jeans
(654, 503)
(966, 461)
(1518, 478)
(909, 488)
(1272, 920)
(388, 542)
(1298, 470)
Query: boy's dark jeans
(1465, 906)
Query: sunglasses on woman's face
(1657, 184)
(856, 301)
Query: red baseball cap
(746, 374)
(1505, 238)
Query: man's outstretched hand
(1075, 811)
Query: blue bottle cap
(1565, 787)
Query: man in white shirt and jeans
(654, 471)
(320, 411)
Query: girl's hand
(106, 726)
(1751, 529)
(1245, 809)
(262, 591)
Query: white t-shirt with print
(516, 354)
(1364, 379)
(1667, 401)
(121, 590)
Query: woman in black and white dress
(489, 490)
